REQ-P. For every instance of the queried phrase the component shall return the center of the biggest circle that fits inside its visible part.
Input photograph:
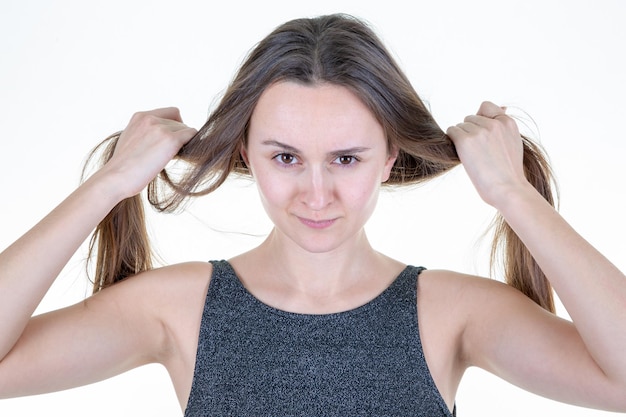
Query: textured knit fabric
(255, 360)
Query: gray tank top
(255, 360)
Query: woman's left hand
(490, 147)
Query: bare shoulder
(464, 290)
(173, 286)
(466, 306)
(172, 282)
(469, 300)
(171, 297)
(175, 294)
(182, 292)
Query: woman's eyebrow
(350, 151)
(339, 152)
(284, 146)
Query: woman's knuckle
(136, 117)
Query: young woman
(314, 321)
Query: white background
(71, 72)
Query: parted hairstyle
(336, 49)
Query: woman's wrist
(519, 198)
(110, 186)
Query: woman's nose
(317, 189)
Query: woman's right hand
(145, 146)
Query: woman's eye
(346, 160)
(286, 158)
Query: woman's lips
(317, 224)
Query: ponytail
(520, 268)
(120, 243)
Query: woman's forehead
(321, 111)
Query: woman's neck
(286, 276)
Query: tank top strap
(404, 287)
(224, 279)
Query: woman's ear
(391, 159)
(244, 154)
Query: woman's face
(318, 156)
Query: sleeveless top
(256, 360)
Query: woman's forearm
(591, 288)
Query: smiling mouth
(317, 224)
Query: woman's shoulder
(167, 281)
(174, 295)
(179, 275)
(464, 303)
(464, 297)
(178, 287)
(448, 283)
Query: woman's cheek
(276, 190)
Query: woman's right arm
(29, 266)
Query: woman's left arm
(591, 288)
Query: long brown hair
(337, 49)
